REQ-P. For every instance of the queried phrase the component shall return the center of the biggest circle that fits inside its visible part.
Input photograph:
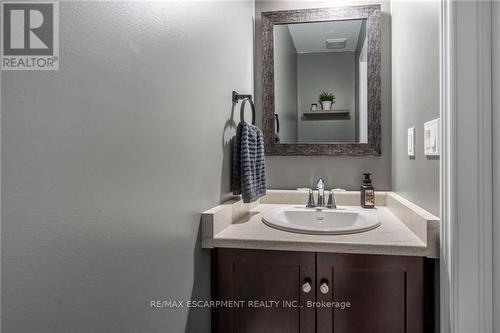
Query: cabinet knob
(324, 288)
(306, 287)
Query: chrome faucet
(331, 201)
(310, 202)
(320, 185)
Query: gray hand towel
(236, 175)
(249, 174)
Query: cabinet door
(264, 276)
(385, 293)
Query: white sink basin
(319, 222)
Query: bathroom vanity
(380, 280)
(288, 266)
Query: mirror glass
(320, 82)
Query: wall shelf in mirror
(323, 112)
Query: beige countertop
(405, 228)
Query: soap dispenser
(367, 192)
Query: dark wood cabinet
(268, 286)
(384, 293)
(348, 293)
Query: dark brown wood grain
(385, 293)
(431, 295)
(372, 14)
(252, 275)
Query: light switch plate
(411, 141)
(431, 138)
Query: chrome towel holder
(245, 98)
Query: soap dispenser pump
(367, 192)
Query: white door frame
(466, 167)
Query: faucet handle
(331, 201)
(310, 201)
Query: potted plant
(326, 99)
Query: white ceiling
(311, 37)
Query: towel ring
(242, 110)
(244, 99)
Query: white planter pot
(326, 105)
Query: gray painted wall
(415, 98)
(346, 172)
(361, 92)
(285, 92)
(107, 164)
(496, 163)
(326, 71)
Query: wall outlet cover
(411, 141)
(431, 138)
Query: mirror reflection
(320, 78)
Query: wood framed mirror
(332, 52)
